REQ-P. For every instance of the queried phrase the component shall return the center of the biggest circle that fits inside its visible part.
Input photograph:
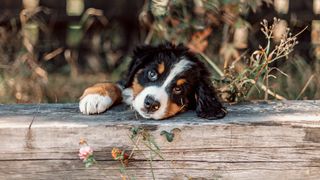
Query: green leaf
(135, 131)
(169, 135)
(90, 161)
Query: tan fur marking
(181, 81)
(136, 87)
(161, 68)
(172, 109)
(104, 89)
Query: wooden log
(273, 140)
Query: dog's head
(168, 79)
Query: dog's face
(161, 89)
(165, 80)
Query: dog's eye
(152, 75)
(177, 90)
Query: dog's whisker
(224, 110)
(135, 114)
(183, 105)
(86, 108)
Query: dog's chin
(143, 113)
(147, 115)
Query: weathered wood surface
(275, 140)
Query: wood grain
(274, 140)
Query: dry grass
(25, 75)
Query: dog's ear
(208, 105)
(141, 56)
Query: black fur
(144, 55)
(198, 93)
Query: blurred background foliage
(50, 51)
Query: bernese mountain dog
(161, 82)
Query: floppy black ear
(140, 58)
(207, 104)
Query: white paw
(94, 104)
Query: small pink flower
(85, 152)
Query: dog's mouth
(146, 113)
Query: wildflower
(118, 154)
(82, 141)
(85, 152)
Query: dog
(161, 82)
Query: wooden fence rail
(274, 140)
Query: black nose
(151, 104)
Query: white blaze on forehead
(176, 70)
(159, 93)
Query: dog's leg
(100, 97)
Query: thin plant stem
(124, 169)
(296, 35)
(153, 150)
(137, 141)
(305, 86)
(212, 64)
(267, 82)
(150, 163)
(136, 145)
(149, 35)
(264, 88)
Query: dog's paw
(94, 104)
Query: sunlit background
(51, 50)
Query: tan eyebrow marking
(161, 68)
(181, 81)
